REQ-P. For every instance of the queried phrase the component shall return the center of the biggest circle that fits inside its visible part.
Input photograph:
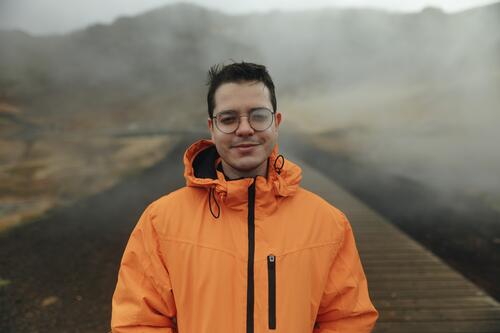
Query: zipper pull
(271, 258)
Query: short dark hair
(237, 72)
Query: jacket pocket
(271, 273)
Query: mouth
(245, 145)
(245, 148)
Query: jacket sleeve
(345, 306)
(143, 300)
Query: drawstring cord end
(281, 160)
(210, 195)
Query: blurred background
(397, 102)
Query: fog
(421, 103)
(414, 94)
(53, 16)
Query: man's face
(244, 153)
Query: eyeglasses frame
(214, 119)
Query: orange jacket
(248, 255)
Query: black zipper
(251, 253)
(271, 274)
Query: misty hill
(156, 58)
(159, 59)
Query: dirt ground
(38, 175)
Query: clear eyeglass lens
(259, 119)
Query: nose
(244, 128)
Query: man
(241, 248)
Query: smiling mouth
(245, 145)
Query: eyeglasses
(258, 119)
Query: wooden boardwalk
(413, 290)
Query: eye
(227, 119)
(260, 115)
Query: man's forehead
(246, 92)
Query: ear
(211, 128)
(278, 119)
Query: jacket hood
(200, 170)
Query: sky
(57, 16)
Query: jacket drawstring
(277, 167)
(210, 195)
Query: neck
(232, 173)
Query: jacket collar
(200, 170)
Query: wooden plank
(394, 261)
(440, 315)
(413, 254)
(470, 302)
(389, 243)
(383, 237)
(423, 293)
(475, 326)
(417, 284)
(397, 254)
(423, 268)
(421, 262)
(386, 243)
(404, 266)
(443, 276)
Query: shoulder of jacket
(313, 200)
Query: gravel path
(58, 273)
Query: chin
(247, 166)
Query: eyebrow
(252, 109)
